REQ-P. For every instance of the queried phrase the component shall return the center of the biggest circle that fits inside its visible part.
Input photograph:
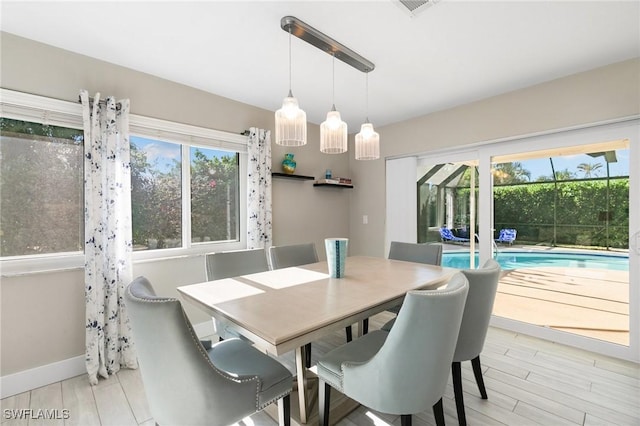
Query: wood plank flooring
(529, 382)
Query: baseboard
(23, 381)
(26, 380)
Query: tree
(589, 168)
(565, 174)
(41, 177)
(213, 197)
(156, 202)
(508, 173)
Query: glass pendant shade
(333, 134)
(367, 143)
(291, 123)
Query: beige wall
(42, 318)
(43, 314)
(593, 96)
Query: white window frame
(39, 109)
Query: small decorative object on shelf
(288, 164)
(334, 181)
(327, 174)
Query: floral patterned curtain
(259, 189)
(108, 240)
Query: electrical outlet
(365, 219)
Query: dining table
(283, 310)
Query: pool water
(515, 260)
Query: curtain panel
(259, 189)
(108, 237)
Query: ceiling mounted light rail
(325, 43)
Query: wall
(42, 315)
(601, 94)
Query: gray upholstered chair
(483, 284)
(403, 371)
(292, 255)
(185, 383)
(429, 253)
(296, 255)
(227, 264)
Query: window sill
(45, 264)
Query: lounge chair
(447, 235)
(507, 236)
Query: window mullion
(186, 196)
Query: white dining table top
(286, 308)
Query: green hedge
(580, 218)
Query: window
(214, 195)
(187, 186)
(156, 194)
(40, 189)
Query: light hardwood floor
(529, 382)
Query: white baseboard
(23, 381)
(26, 380)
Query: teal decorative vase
(288, 164)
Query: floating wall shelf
(335, 185)
(291, 176)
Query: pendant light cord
(366, 110)
(333, 84)
(290, 93)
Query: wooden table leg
(301, 374)
(361, 328)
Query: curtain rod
(101, 102)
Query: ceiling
(449, 54)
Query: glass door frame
(460, 157)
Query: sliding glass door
(567, 265)
(561, 214)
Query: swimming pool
(516, 259)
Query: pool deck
(588, 302)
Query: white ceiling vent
(414, 7)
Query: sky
(161, 154)
(542, 166)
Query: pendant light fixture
(333, 131)
(291, 121)
(367, 141)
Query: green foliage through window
(590, 213)
(41, 199)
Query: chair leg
(405, 420)
(477, 371)
(324, 397)
(284, 411)
(438, 413)
(365, 326)
(349, 333)
(307, 355)
(456, 374)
